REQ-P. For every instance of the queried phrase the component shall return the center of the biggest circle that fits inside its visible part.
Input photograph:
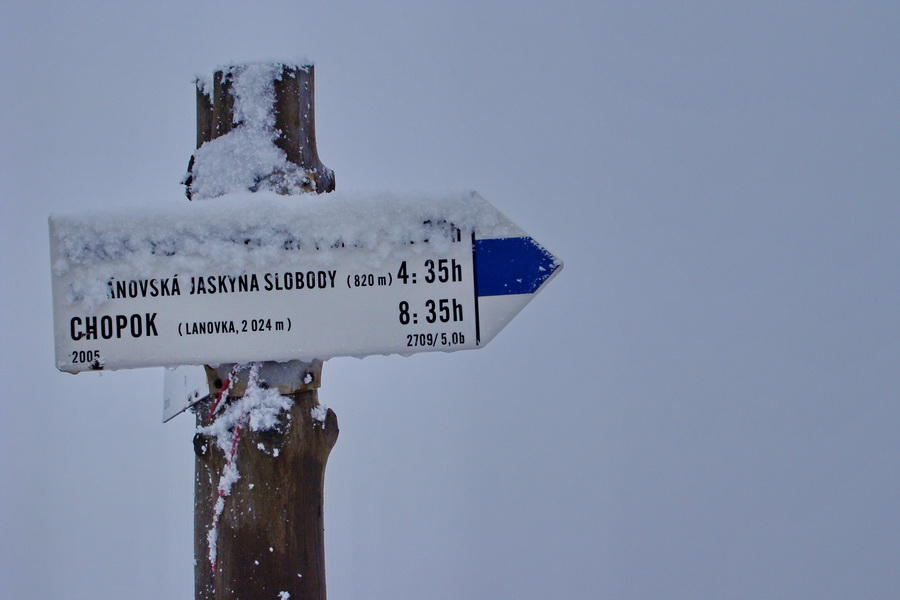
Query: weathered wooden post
(258, 502)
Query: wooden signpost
(263, 536)
(248, 273)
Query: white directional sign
(257, 277)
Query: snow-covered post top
(256, 131)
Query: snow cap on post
(256, 131)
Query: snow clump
(246, 158)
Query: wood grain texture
(271, 532)
(295, 119)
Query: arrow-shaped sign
(258, 277)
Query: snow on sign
(255, 277)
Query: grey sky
(704, 404)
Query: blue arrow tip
(517, 265)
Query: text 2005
(84, 356)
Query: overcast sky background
(704, 403)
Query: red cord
(234, 445)
(223, 394)
(231, 455)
